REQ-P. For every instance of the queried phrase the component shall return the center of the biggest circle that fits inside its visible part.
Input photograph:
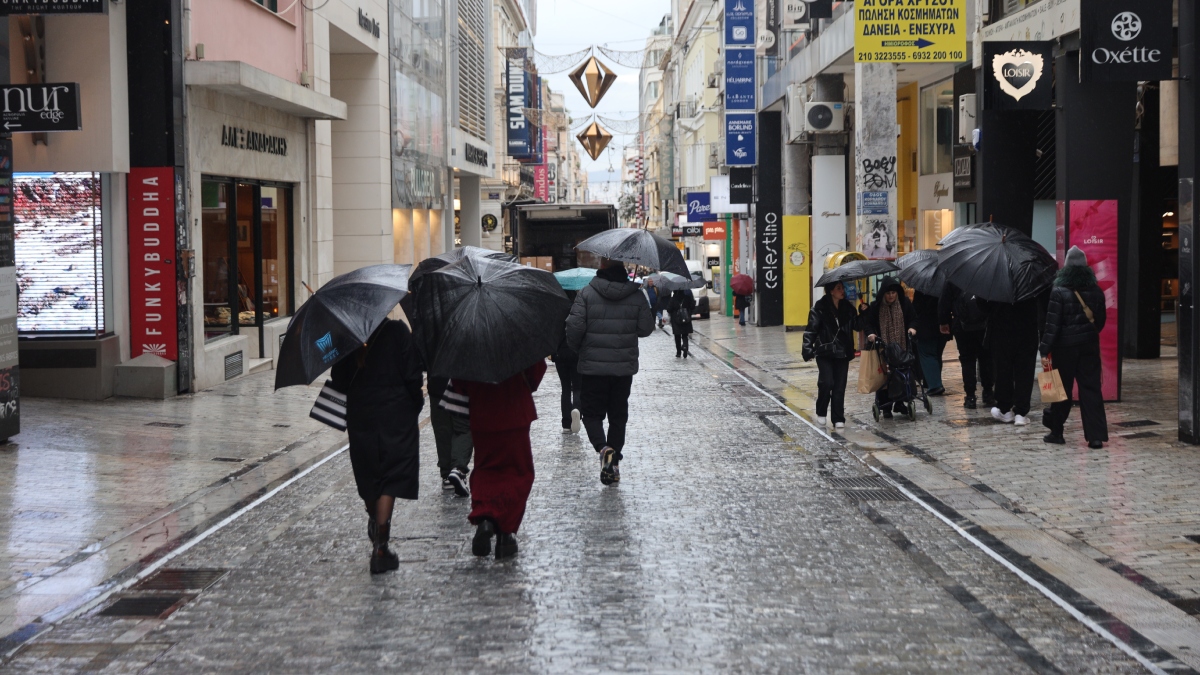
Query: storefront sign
(739, 22)
(517, 99)
(795, 13)
(964, 167)
(152, 325)
(676, 231)
(474, 155)
(740, 79)
(35, 108)
(718, 189)
(797, 270)
(699, 207)
(1125, 40)
(693, 230)
(712, 261)
(926, 31)
(741, 147)
(714, 231)
(768, 224)
(366, 23)
(1093, 228)
(1044, 20)
(8, 7)
(1018, 76)
(741, 185)
(245, 139)
(541, 183)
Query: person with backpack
(965, 318)
(681, 307)
(829, 338)
(1075, 317)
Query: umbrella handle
(308, 288)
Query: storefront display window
(248, 223)
(937, 128)
(937, 224)
(60, 253)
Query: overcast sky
(565, 26)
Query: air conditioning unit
(966, 118)
(795, 113)
(825, 118)
(713, 81)
(714, 162)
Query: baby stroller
(905, 382)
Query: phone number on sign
(903, 57)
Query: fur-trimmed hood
(1075, 277)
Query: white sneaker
(575, 421)
(839, 425)
(1021, 420)
(1002, 417)
(820, 421)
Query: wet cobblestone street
(731, 544)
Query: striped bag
(455, 401)
(330, 407)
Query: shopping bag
(1051, 386)
(330, 407)
(871, 377)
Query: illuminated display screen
(59, 250)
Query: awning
(242, 80)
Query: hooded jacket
(870, 318)
(963, 313)
(608, 317)
(1066, 323)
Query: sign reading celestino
(908, 31)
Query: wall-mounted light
(1169, 214)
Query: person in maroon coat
(500, 418)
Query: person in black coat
(566, 362)
(930, 341)
(382, 382)
(898, 325)
(965, 317)
(1013, 331)
(1074, 318)
(742, 304)
(681, 308)
(829, 338)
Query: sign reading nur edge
(1125, 40)
(152, 318)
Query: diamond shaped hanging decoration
(594, 139)
(593, 79)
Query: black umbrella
(437, 262)
(639, 247)
(667, 281)
(857, 269)
(338, 319)
(486, 320)
(997, 263)
(919, 270)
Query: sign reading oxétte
(910, 31)
(30, 108)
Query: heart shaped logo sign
(1018, 72)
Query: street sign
(917, 31)
(739, 23)
(31, 108)
(741, 148)
(8, 7)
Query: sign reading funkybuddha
(908, 31)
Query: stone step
(259, 365)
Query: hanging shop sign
(964, 167)
(699, 207)
(740, 84)
(33, 108)
(1125, 40)
(768, 224)
(741, 148)
(819, 9)
(1018, 76)
(926, 31)
(541, 182)
(795, 13)
(152, 324)
(718, 188)
(741, 185)
(714, 231)
(739, 22)
(693, 230)
(9, 7)
(516, 100)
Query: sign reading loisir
(910, 31)
(1018, 76)
(1125, 40)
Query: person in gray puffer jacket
(608, 317)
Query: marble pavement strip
(726, 547)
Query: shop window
(937, 224)
(937, 128)
(60, 253)
(246, 258)
(272, 5)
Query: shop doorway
(246, 256)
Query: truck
(545, 235)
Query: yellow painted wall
(797, 270)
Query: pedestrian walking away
(566, 362)
(1012, 338)
(930, 341)
(1075, 315)
(452, 435)
(501, 415)
(681, 308)
(892, 320)
(829, 338)
(382, 382)
(964, 317)
(742, 304)
(606, 321)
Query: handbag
(871, 377)
(1087, 311)
(1051, 386)
(330, 407)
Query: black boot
(969, 402)
(989, 399)
(484, 531)
(506, 546)
(1054, 437)
(382, 558)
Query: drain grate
(1142, 434)
(1138, 423)
(971, 422)
(178, 579)
(228, 459)
(870, 482)
(166, 425)
(146, 606)
(875, 495)
(281, 426)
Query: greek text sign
(910, 31)
(40, 107)
(152, 324)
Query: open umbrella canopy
(576, 279)
(636, 246)
(857, 269)
(997, 263)
(437, 262)
(485, 320)
(670, 282)
(742, 284)
(919, 270)
(338, 319)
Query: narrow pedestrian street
(739, 539)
